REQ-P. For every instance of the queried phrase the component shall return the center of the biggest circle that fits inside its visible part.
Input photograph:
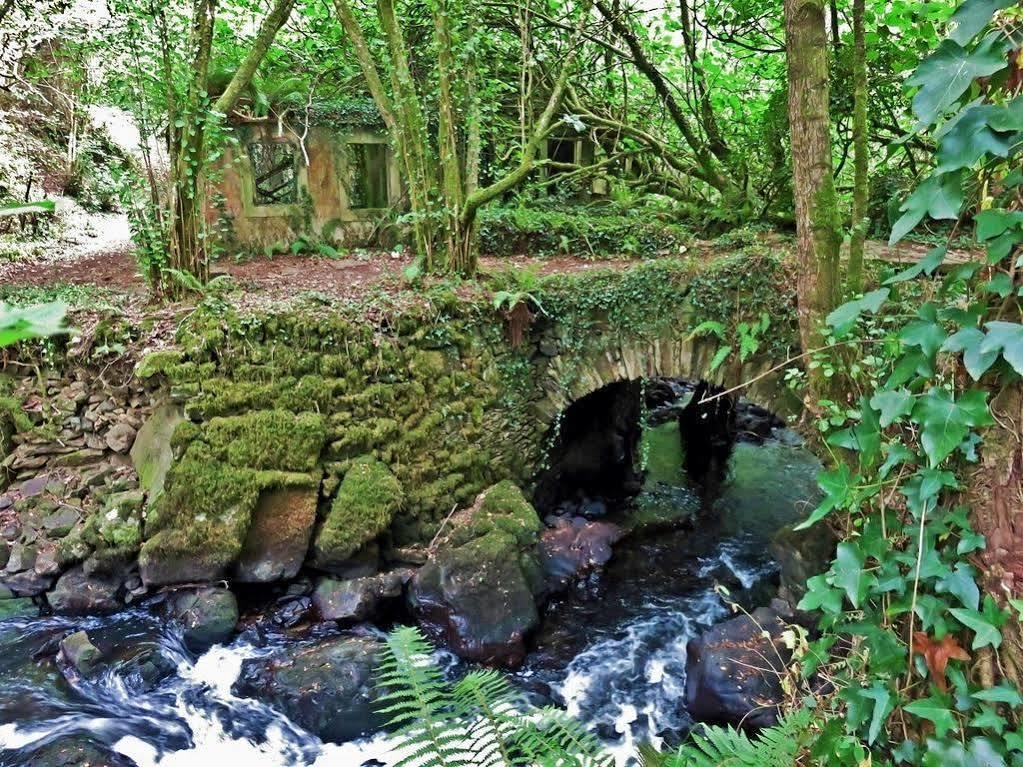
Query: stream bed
(612, 651)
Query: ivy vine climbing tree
(921, 617)
(816, 203)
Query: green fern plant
(479, 721)
(778, 746)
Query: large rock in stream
(208, 615)
(326, 688)
(478, 592)
(733, 671)
(75, 751)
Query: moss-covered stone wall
(434, 391)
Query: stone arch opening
(595, 456)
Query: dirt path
(98, 252)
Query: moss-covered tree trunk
(443, 175)
(817, 221)
(861, 180)
(187, 230)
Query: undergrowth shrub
(582, 232)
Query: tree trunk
(817, 221)
(861, 180)
(187, 236)
(187, 233)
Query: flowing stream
(612, 651)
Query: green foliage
(901, 583)
(24, 208)
(747, 299)
(586, 233)
(39, 321)
(479, 721)
(777, 746)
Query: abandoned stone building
(336, 183)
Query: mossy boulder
(478, 592)
(151, 453)
(367, 500)
(198, 527)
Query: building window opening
(274, 173)
(366, 180)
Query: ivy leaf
(989, 719)
(934, 710)
(972, 16)
(848, 573)
(994, 222)
(937, 654)
(925, 334)
(1003, 693)
(821, 596)
(985, 633)
(946, 74)
(897, 453)
(892, 404)
(970, 341)
(925, 265)
(850, 311)
(952, 753)
(1005, 338)
(970, 139)
(883, 705)
(1000, 285)
(939, 196)
(945, 422)
(837, 486)
(961, 583)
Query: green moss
(503, 511)
(366, 502)
(157, 363)
(204, 513)
(268, 439)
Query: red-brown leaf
(937, 655)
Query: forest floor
(98, 254)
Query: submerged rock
(208, 615)
(79, 594)
(575, 546)
(478, 591)
(326, 688)
(80, 653)
(76, 751)
(11, 607)
(358, 599)
(733, 671)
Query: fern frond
(495, 710)
(555, 739)
(777, 746)
(415, 702)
